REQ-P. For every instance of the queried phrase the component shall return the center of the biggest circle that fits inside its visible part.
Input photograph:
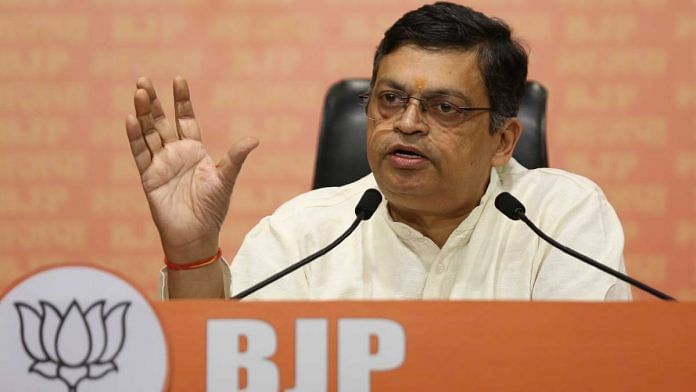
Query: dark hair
(502, 60)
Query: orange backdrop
(622, 112)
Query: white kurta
(487, 257)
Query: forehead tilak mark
(420, 83)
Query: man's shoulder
(552, 193)
(548, 181)
(326, 200)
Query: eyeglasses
(444, 110)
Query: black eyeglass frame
(405, 99)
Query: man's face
(421, 164)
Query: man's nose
(412, 120)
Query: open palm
(187, 192)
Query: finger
(186, 124)
(143, 112)
(141, 154)
(165, 129)
(232, 162)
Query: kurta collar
(465, 228)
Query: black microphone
(509, 205)
(513, 209)
(363, 210)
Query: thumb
(230, 165)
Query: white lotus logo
(73, 345)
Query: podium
(445, 346)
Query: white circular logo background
(80, 329)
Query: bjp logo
(75, 344)
(71, 328)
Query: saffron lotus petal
(30, 326)
(73, 341)
(98, 370)
(49, 329)
(95, 322)
(47, 369)
(115, 321)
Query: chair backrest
(341, 153)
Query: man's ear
(508, 136)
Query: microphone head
(509, 205)
(368, 204)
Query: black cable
(593, 263)
(300, 263)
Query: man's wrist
(191, 252)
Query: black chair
(341, 154)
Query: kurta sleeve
(583, 220)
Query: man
(446, 86)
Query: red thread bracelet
(194, 264)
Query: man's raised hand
(187, 192)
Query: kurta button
(440, 268)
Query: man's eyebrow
(427, 93)
(450, 92)
(391, 84)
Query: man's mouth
(407, 151)
(407, 154)
(405, 157)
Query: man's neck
(434, 225)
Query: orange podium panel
(430, 346)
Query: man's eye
(390, 98)
(445, 107)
